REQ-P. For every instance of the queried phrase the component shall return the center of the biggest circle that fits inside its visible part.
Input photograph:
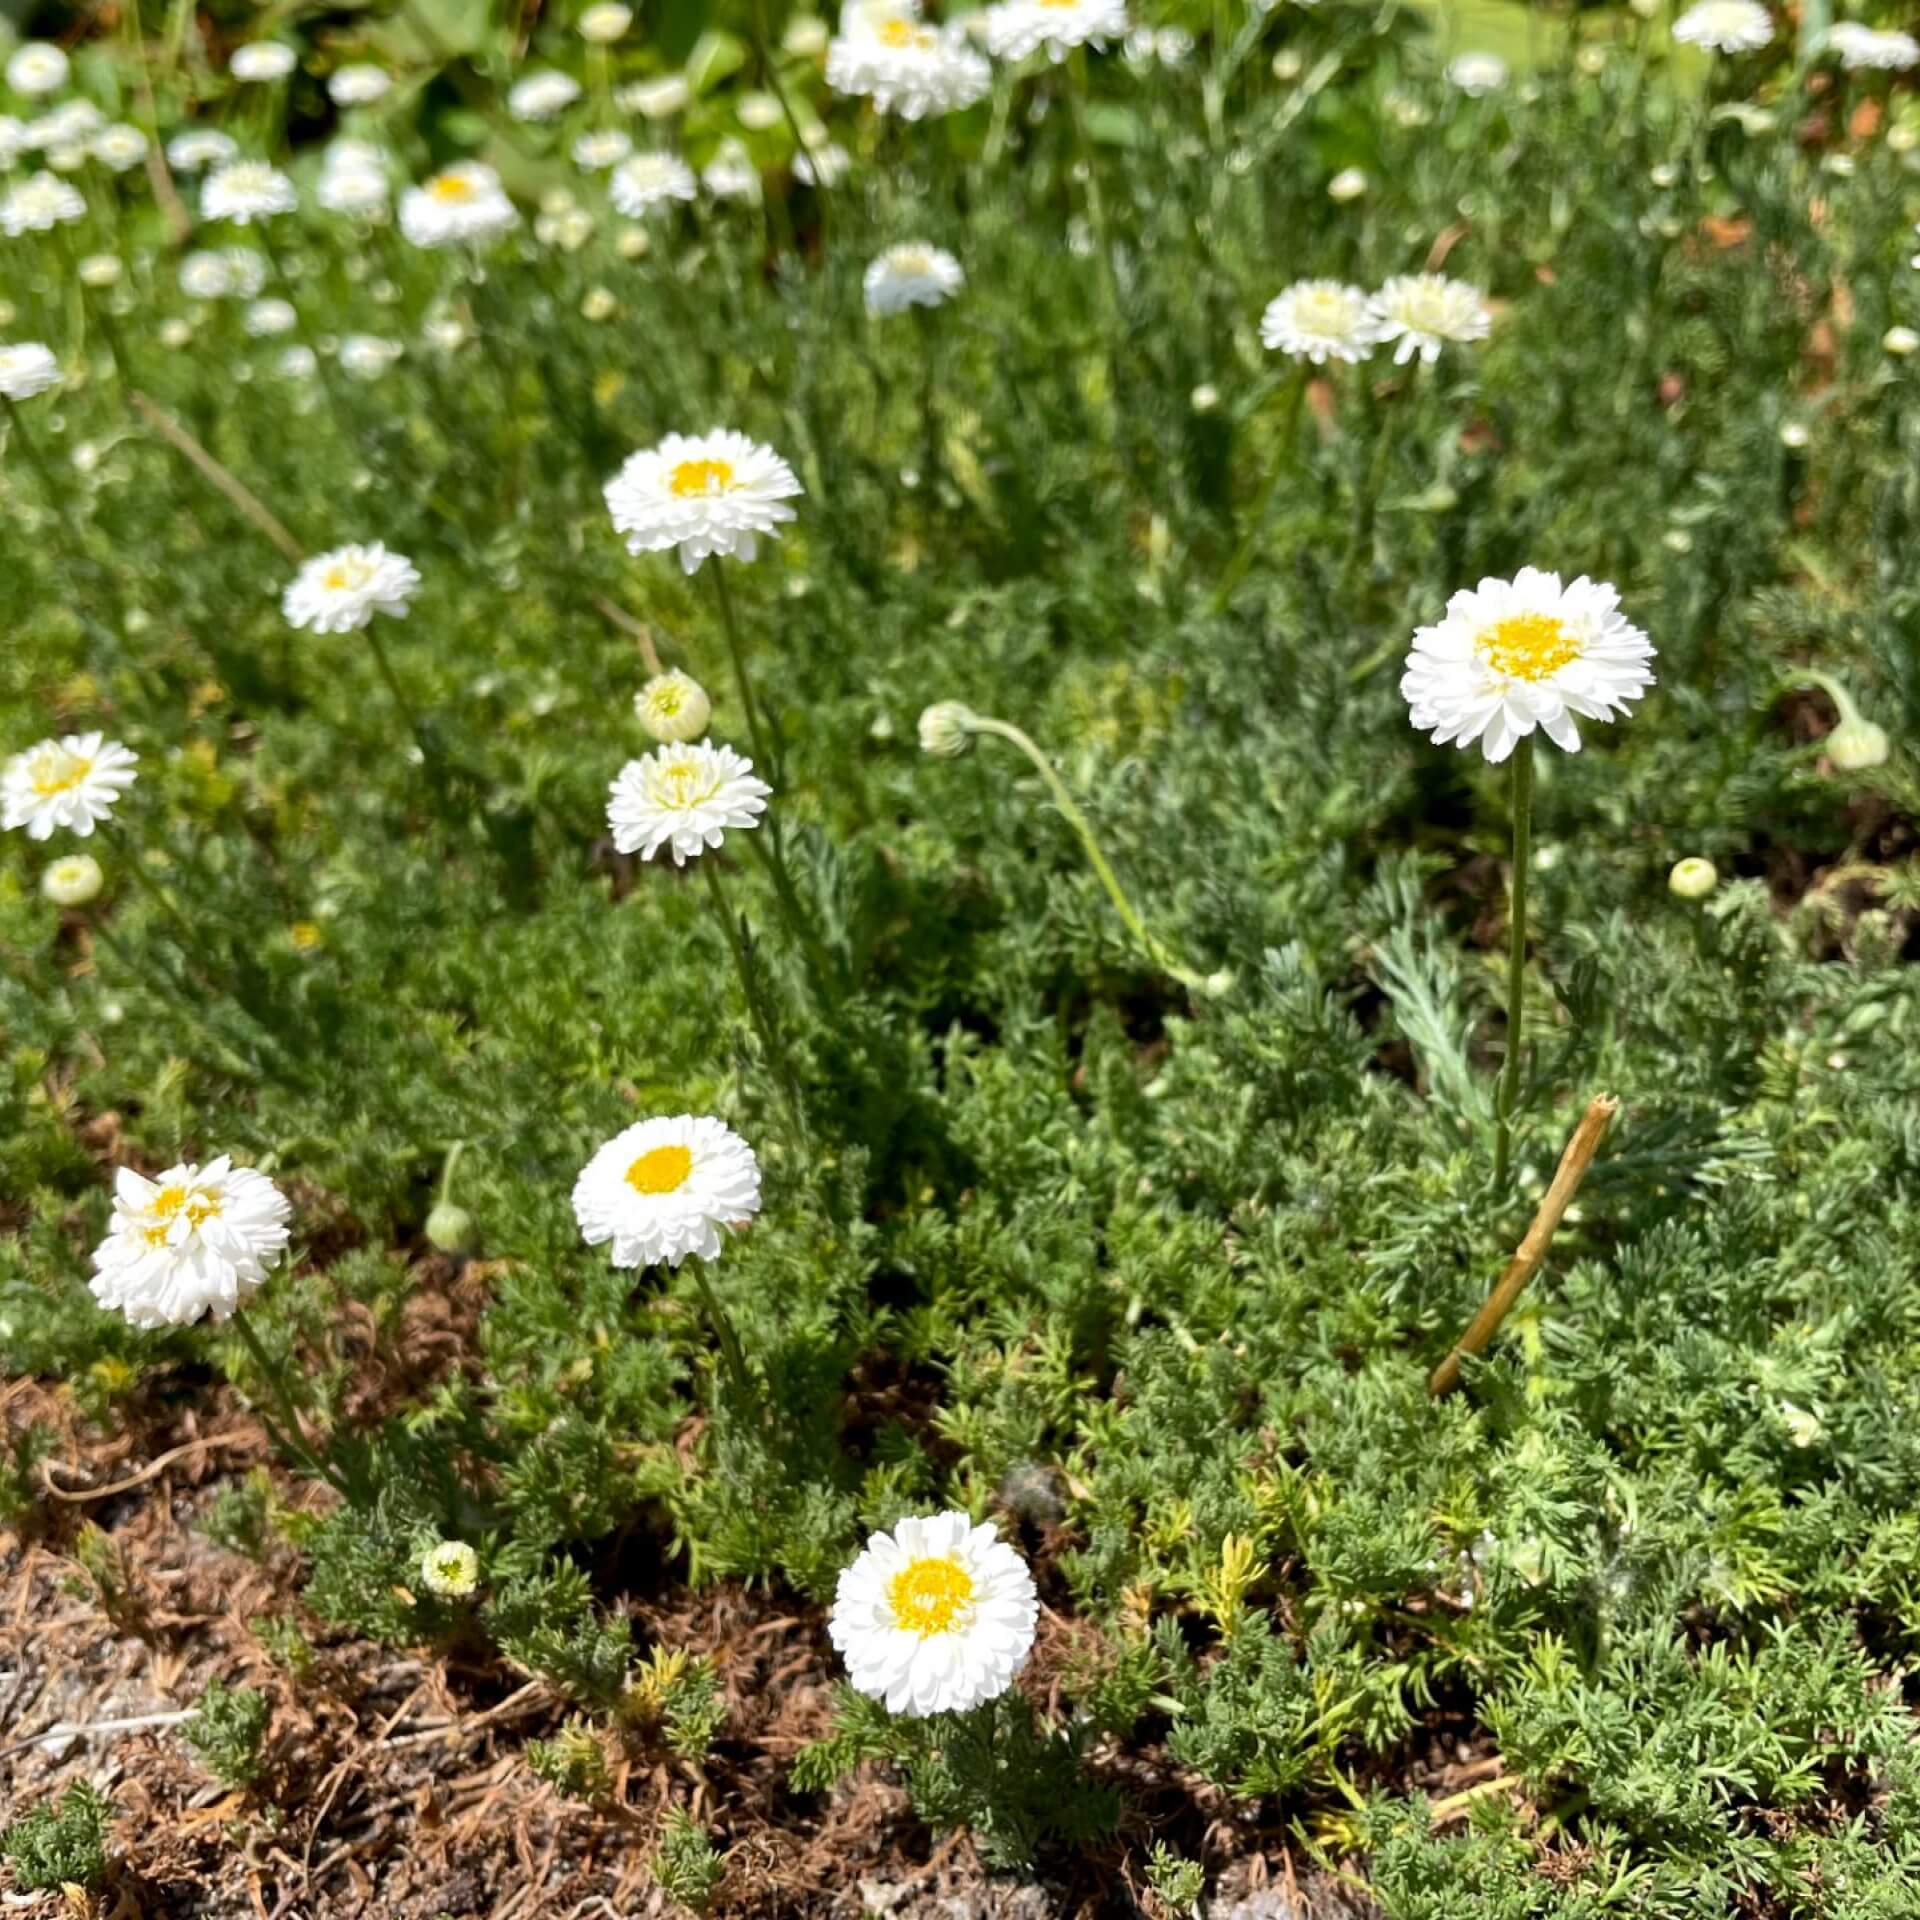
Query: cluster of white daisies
(1415, 313)
(1745, 26)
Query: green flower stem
(732, 1354)
(1509, 1093)
(290, 1440)
(757, 1010)
(1057, 789)
(763, 45)
(1295, 393)
(395, 692)
(755, 730)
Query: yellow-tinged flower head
(450, 1569)
(946, 729)
(673, 706)
(74, 881)
(1693, 878)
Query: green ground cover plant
(1145, 1080)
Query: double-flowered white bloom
(1424, 312)
(1512, 655)
(69, 784)
(460, 204)
(913, 275)
(935, 1617)
(886, 53)
(359, 84)
(1859, 47)
(684, 796)
(27, 368)
(36, 68)
(247, 190)
(1320, 320)
(539, 96)
(1725, 26)
(648, 180)
(40, 204)
(118, 148)
(263, 60)
(673, 706)
(341, 591)
(706, 493)
(604, 148)
(666, 1188)
(199, 148)
(1477, 74)
(1016, 28)
(190, 1242)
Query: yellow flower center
(1324, 311)
(898, 33)
(1427, 310)
(679, 784)
(168, 1205)
(1060, 6)
(929, 1596)
(660, 1170)
(454, 187)
(1527, 646)
(55, 770)
(692, 477)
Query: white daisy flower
(1320, 320)
(1423, 311)
(1016, 28)
(26, 369)
(199, 148)
(39, 204)
(1510, 655)
(595, 152)
(1863, 48)
(758, 112)
(935, 1617)
(464, 202)
(731, 174)
(1725, 26)
(359, 84)
(914, 275)
(267, 319)
(664, 1188)
(904, 67)
(673, 706)
(539, 96)
(366, 356)
(650, 180)
(101, 270)
(341, 591)
(190, 1242)
(119, 147)
(298, 363)
(1477, 74)
(71, 124)
(247, 190)
(262, 60)
(37, 67)
(233, 273)
(352, 188)
(703, 493)
(74, 881)
(450, 1570)
(657, 99)
(71, 783)
(684, 797)
(603, 24)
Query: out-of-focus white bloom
(758, 112)
(1795, 437)
(540, 96)
(633, 243)
(1016, 28)
(1320, 320)
(605, 23)
(462, 203)
(366, 356)
(353, 190)
(176, 334)
(937, 1616)
(1725, 26)
(38, 204)
(36, 68)
(595, 152)
(266, 319)
(731, 174)
(298, 363)
(27, 368)
(73, 881)
(1426, 311)
(191, 1242)
(1693, 878)
(887, 55)
(673, 706)
(1512, 655)
(598, 304)
(262, 60)
(67, 785)
(569, 230)
(710, 493)
(806, 36)
(684, 797)
(665, 1188)
(71, 124)
(199, 148)
(823, 162)
(1477, 74)
(648, 180)
(100, 270)
(914, 275)
(1900, 341)
(444, 332)
(1348, 185)
(232, 273)
(247, 190)
(1863, 47)
(341, 591)
(119, 147)
(359, 84)
(14, 140)
(657, 99)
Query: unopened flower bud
(450, 1229)
(1693, 878)
(673, 706)
(1856, 744)
(450, 1569)
(1900, 341)
(946, 729)
(605, 23)
(74, 881)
